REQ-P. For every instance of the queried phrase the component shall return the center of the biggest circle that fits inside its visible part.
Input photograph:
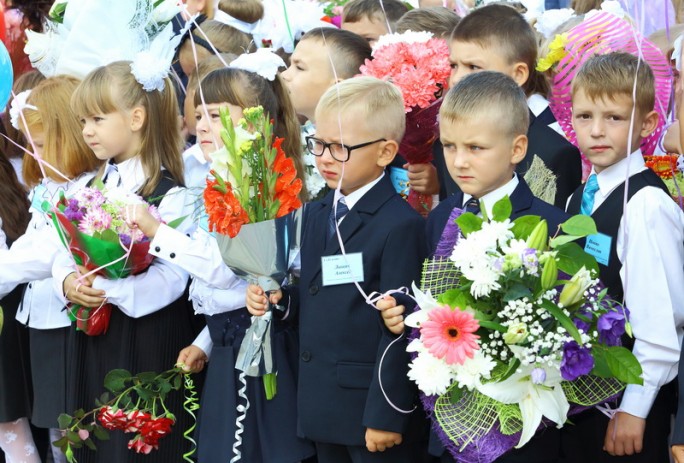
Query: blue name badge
(400, 181)
(599, 246)
(40, 194)
(342, 269)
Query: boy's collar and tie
(493, 196)
(608, 179)
(346, 203)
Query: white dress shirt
(214, 288)
(163, 282)
(491, 198)
(538, 104)
(649, 246)
(31, 257)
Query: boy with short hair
(322, 57)
(498, 38)
(639, 250)
(351, 383)
(483, 126)
(372, 18)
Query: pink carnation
(449, 334)
(420, 70)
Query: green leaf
(101, 433)
(64, 421)
(455, 394)
(601, 368)
(90, 444)
(492, 326)
(523, 226)
(563, 319)
(579, 225)
(562, 239)
(102, 400)
(115, 380)
(571, 258)
(177, 382)
(624, 365)
(175, 223)
(455, 298)
(270, 385)
(109, 235)
(502, 209)
(146, 376)
(516, 291)
(144, 393)
(468, 223)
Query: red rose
(112, 419)
(139, 445)
(155, 429)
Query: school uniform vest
(608, 216)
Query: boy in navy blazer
(483, 122)
(355, 400)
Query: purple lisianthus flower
(125, 239)
(581, 324)
(611, 327)
(577, 361)
(530, 260)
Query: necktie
(112, 178)
(473, 205)
(336, 215)
(590, 190)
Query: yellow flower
(556, 53)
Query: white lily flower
(425, 304)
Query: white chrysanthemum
(432, 375)
(514, 248)
(404, 37)
(473, 370)
(118, 195)
(495, 233)
(484, 277)
(551, 20)
(466, 251)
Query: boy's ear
(387, 151)
(649, 124)
(138, 115)
(518, 149)
(521, 72)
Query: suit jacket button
(172, 255)
(157, 249)
(313, 290)
(306, 356)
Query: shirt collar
(352, 198)
(537, 104)
(195, 151)
(131, 173)
(492, 197)
(611, 177)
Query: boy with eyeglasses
(355, 401)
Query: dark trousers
(410, 452)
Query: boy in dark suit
(483, 121)
(639, 250)
(354, 406)
(498, 38)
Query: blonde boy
(639, 250)
(342, 407)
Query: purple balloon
(6, 75)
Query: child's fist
(392, 314)
(379, 441)
(257, 302)
(192, 359)
(678, 453)
(423, 178)
(138, 216)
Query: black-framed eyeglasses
(338, 151)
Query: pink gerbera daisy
(448, 334)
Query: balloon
(6, 76)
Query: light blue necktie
(590, 190)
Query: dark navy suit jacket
(342, 339)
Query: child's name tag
(342, 269)
(599, 246)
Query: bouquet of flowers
(418, 64)
(249, 202)
(92, 226)
(138, 407)
(669, 168)
(512, 330)
(333, 12)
